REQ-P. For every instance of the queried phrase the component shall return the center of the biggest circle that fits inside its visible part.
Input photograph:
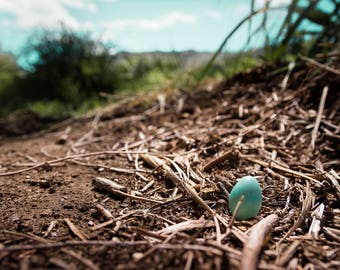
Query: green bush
(8, 71)
(69, 67)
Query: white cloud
(159, 23)
(51, 13)
(241, 9)
(80, 4)
(213, 14)
(109, 1)
(273, 3)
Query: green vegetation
(74, 73)
(8, 70)
(305, 29)
(70, 69)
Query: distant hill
(189, 59)
(186, 59)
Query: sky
(131, 25)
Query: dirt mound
(24, 122)
(147, 186)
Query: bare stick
(190, 257)
(218, 160)
(57, 160)
(319, 65)
(253, 246)
(306, 206)
(105, 212)
(28, 236)
(60, 263)
(75, 230)
(151, 234)
(318, 117)
(70, 244)
(206, 249)
(288, 254)
(237, 208)
(333, 177)
(333, 233)
(106, 185)
(50, 228)
(87, 262)
(187, 225)
(286, 78)
(281, 168)
(153, 249)
(156, 162)
(218, 231)
(315, 227)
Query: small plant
(295, 34)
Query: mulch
(145, 185)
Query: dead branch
(318, 117)
(70, 244)
(319, 65)
(159, 164)
(315, 227)
(253, 246)
(107, 185)
(57, 160)
(218, 160)
(75, 230)
(280, 168)
(306, 206)
(187, 225)
(288, 254)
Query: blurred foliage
(144, 72)
(63, 80)
(69, 67)
(307, 28)
(73, 72)
(68, 70)
(8, 71)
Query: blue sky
(132, 25)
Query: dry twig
(306, 206)
(107, 185)
(75, 230)
(318, 117)
(253, 246)
(319, 65)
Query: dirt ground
(145, 185)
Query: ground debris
(173, 165)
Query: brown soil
(51, 209)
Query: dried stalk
(318, 117)
(288, 254)
(306, 206)
(88, 263)
(253, 246)
(110, 187)
(218, 160)
(75, 230)
(282, 169)
(105, 212)
(167, 172)
(319, 65)
(187, 225)
(71, 244)
(315, 227)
